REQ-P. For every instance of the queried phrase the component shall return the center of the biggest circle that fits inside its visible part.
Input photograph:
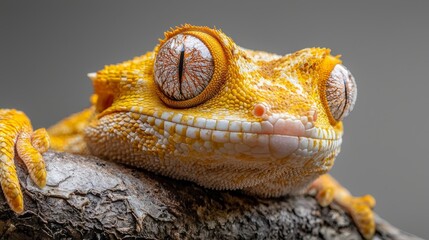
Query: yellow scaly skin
(263, 126)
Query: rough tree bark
(88, 198)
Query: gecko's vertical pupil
(184, 67)
(182, 56)
(346, 96)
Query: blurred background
(47, 47)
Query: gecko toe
(16, 138)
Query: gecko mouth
(285, 138)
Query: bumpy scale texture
(203, 109)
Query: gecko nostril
(260, 110)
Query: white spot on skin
(168, 126)
(190, 121)
(222, 125)
(140, 81)
(206, 134)
(177, 118)
(166, 115)
(235, 126)
(200, 122)
(180, 129)
(192, 132)
(158, 122)
(211, 124)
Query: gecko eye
(184, 67)
(341, 92)
(186, 70)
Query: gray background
(46, 49)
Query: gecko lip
(284, 125)
(250, 138)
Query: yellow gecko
(200, 108)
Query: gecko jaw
(273, 139)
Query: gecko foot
(359, 208)
(17, 136)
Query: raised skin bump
(263, 123)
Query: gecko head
(206, 98)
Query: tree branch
(89, 198)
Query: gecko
(203, 109)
